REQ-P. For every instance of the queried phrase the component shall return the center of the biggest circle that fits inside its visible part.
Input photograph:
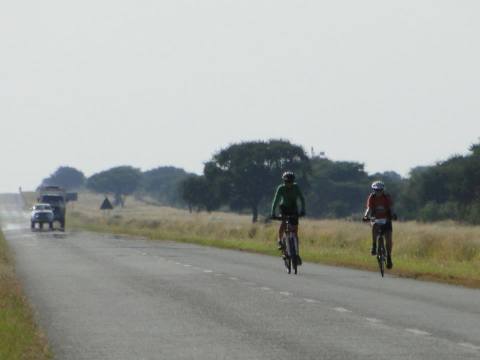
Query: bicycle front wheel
(381, 256)
(293, 252)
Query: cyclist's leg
(281, 230)
(389, 241)
(295, 231)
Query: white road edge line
(233, 278)
(470, 346)
(342, 310)
(418, 332)
(310, 301)
(373, 320)
(208, 271)
(285, 293)
(265, 288)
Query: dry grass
(19, 336)
(446, 252)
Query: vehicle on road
(289, 242)
(41, 214)
(57, 198)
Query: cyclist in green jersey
(286, 197)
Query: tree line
(160, 184)
(243, 177)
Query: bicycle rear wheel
(286, 257)
(293, 253)
(288, 264)
(294, 262)
(381, 256)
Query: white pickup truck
(41, 214)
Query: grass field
(446, 252)
(19, 336)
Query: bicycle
(380, 240)
(290, 243)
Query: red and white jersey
(380, 205)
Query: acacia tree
(447, 190)
(338, 188)
(121, 181)
(67, 177)
(244, 174)
(198, 193)
(162, 183)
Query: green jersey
(286, 197)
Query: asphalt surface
(109, 297)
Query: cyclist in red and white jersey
(380, 207)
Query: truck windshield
(52, 199)
(42, 207)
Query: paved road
(107, 297)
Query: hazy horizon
(104, 83)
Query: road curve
(109, 297)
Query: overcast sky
(99, 83)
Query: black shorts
(387, 227)
(293, 218)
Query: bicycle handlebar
(281, 218)
(372, 219)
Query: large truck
(57, 198)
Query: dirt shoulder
(20, 337)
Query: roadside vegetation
(20, 338)
(445, 252)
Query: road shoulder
(20, 337)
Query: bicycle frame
(290, 243)
(380, 241)
(290, 239)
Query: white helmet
(378, 186)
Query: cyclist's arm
(368, 211)
(275, 202)
(302, 200)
